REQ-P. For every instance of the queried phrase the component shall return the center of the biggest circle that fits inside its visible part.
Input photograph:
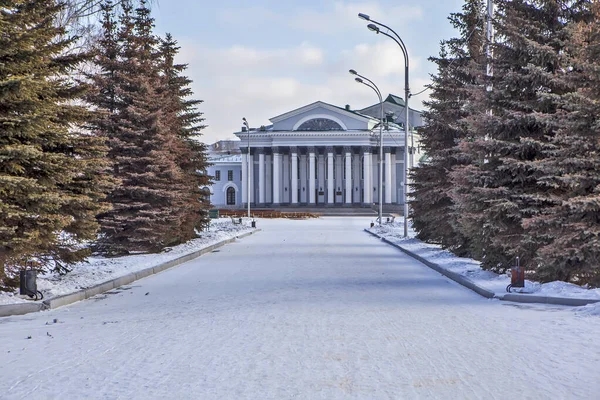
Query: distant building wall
(226, 174)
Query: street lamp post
(248, 163)
(396, 38)
(362, 79)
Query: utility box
(28, 283)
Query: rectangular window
(240, 175)
(317, 169)
(217, 175)
(230, 175)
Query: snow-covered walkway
(313, 309)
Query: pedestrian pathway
(312, 309)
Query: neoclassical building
(318, 155)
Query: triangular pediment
(347, 119)
(316, 105)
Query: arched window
(320, 124)
(230, 196)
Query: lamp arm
(374, 87)
(400, 43)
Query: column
(244, 176)
(367, 187)
(294, 156)
(261, 176)
(311, 175)
(330, 186)
(388, 175)
(356, 168)
(276, 176)
(348, 166)
(394, 177)
(252, 187)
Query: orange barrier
(267, 214)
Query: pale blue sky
(258, 59)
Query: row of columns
(312, 159)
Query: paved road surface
(303, 310)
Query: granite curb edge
(464, 281)
(7, 310)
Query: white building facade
(226, 173)
(317, 155)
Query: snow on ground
(591, 310)
(100, 269)
(313, 309)
(472, 269)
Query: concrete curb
(59, 301)
(530, 298)
(466, 282)
(19, 309)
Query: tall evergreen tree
(51, 171)
(183, 118)
(153, 204)
(570, 179)
(433, 213)
(498, 188)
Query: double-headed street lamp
(362, 79)
(248, 164)
(396, 38)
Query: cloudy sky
(258, 59)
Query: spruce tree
(144, 149)
(185, 121)
(570, 179)
(510, 130)
(51, 170)
(433, 213)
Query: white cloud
(248, 16)
(343, 16)
(311, 55)
(259, 84)
(241, 81)
(383, 59)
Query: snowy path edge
(59, 301)
(466, 282)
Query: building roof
(395, 99)
(394, 105)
